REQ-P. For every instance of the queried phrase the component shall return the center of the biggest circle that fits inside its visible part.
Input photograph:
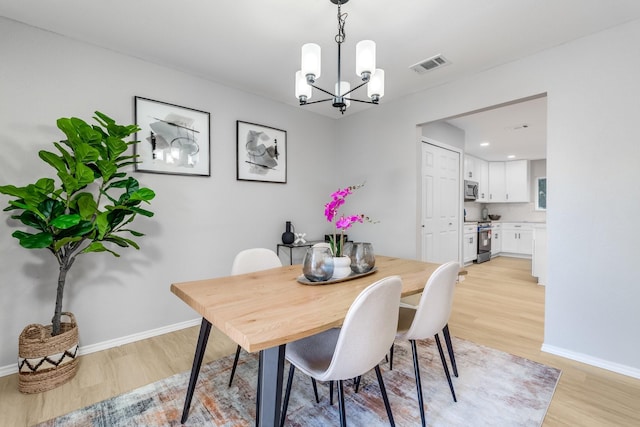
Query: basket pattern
(45, 362)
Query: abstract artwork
(173, 139)
(262, 153)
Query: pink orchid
(344, 222)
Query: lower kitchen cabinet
(496, 239)
(517, 239)
(470, 243)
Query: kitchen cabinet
(517, 239)
(539, 256)
(470, 243)
(509, 181)
(477, 170)
(496, 238)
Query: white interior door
(440, 204)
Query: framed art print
(261, 153)
(173, 139)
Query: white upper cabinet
(509, 181)
(478, 170)
(497, 188)
(517, 181)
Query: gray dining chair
(428, 319)
(339, 354)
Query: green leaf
(97, 247)
(46, 185)
(12, 190)
(87, 205)
(133, 232)
(107, 169)
(121, 241)
(143, 194)
(69, 182)
(66, 221)
(84, 175)
(33, 241)
(51, 208)
(83, 229)
(141, 211)
(86, 153)
(67, 126)
(54, 160)
(31, 219)
(102, 222)
(68, 158)
(116, 146)
(22, 205)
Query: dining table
(264, 310)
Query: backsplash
(508, 211)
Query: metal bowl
(494, 217)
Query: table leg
(205, 329)
(270, 385)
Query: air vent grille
(430, 64)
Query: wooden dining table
(264, 310)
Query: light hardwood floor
(498, 305)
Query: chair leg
(315, 389)
(452, 357)
(391, 358)
(343, 415)
(287, 393)
(416, 368)
(383, 391)
(235, 365)
(357, 382)
(258, 389)
(445, 366)
(331, 392)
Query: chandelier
(365, 69)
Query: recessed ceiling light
(484, 144)
(511, 156)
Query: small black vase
(288, 237)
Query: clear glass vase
(362, 257)
(318, 264)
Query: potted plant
(89, 209)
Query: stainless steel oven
(484, 241)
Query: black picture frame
(173, 139)
(261, 153)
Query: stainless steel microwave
(470, 190)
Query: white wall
(200, 222)
(592, 295)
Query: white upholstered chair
(428, 319)
(248, 261)
(368, 331)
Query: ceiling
(516, 131)
(254, 45)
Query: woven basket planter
(45, 362)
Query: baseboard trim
(104, 345)
(593, 361)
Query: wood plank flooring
(498, 305)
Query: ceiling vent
(430, 64)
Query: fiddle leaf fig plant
(92, 205)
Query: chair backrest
(322, 245)
(255, 259)
(435, 304)
(368, 330)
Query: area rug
(493, 389)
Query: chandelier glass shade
(341, 97)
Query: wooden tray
(305, 281)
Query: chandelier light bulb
(375, 88)
(311, 57)
(303, 90)
(365, 58)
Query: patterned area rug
(493, 389)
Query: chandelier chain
(342, 18)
